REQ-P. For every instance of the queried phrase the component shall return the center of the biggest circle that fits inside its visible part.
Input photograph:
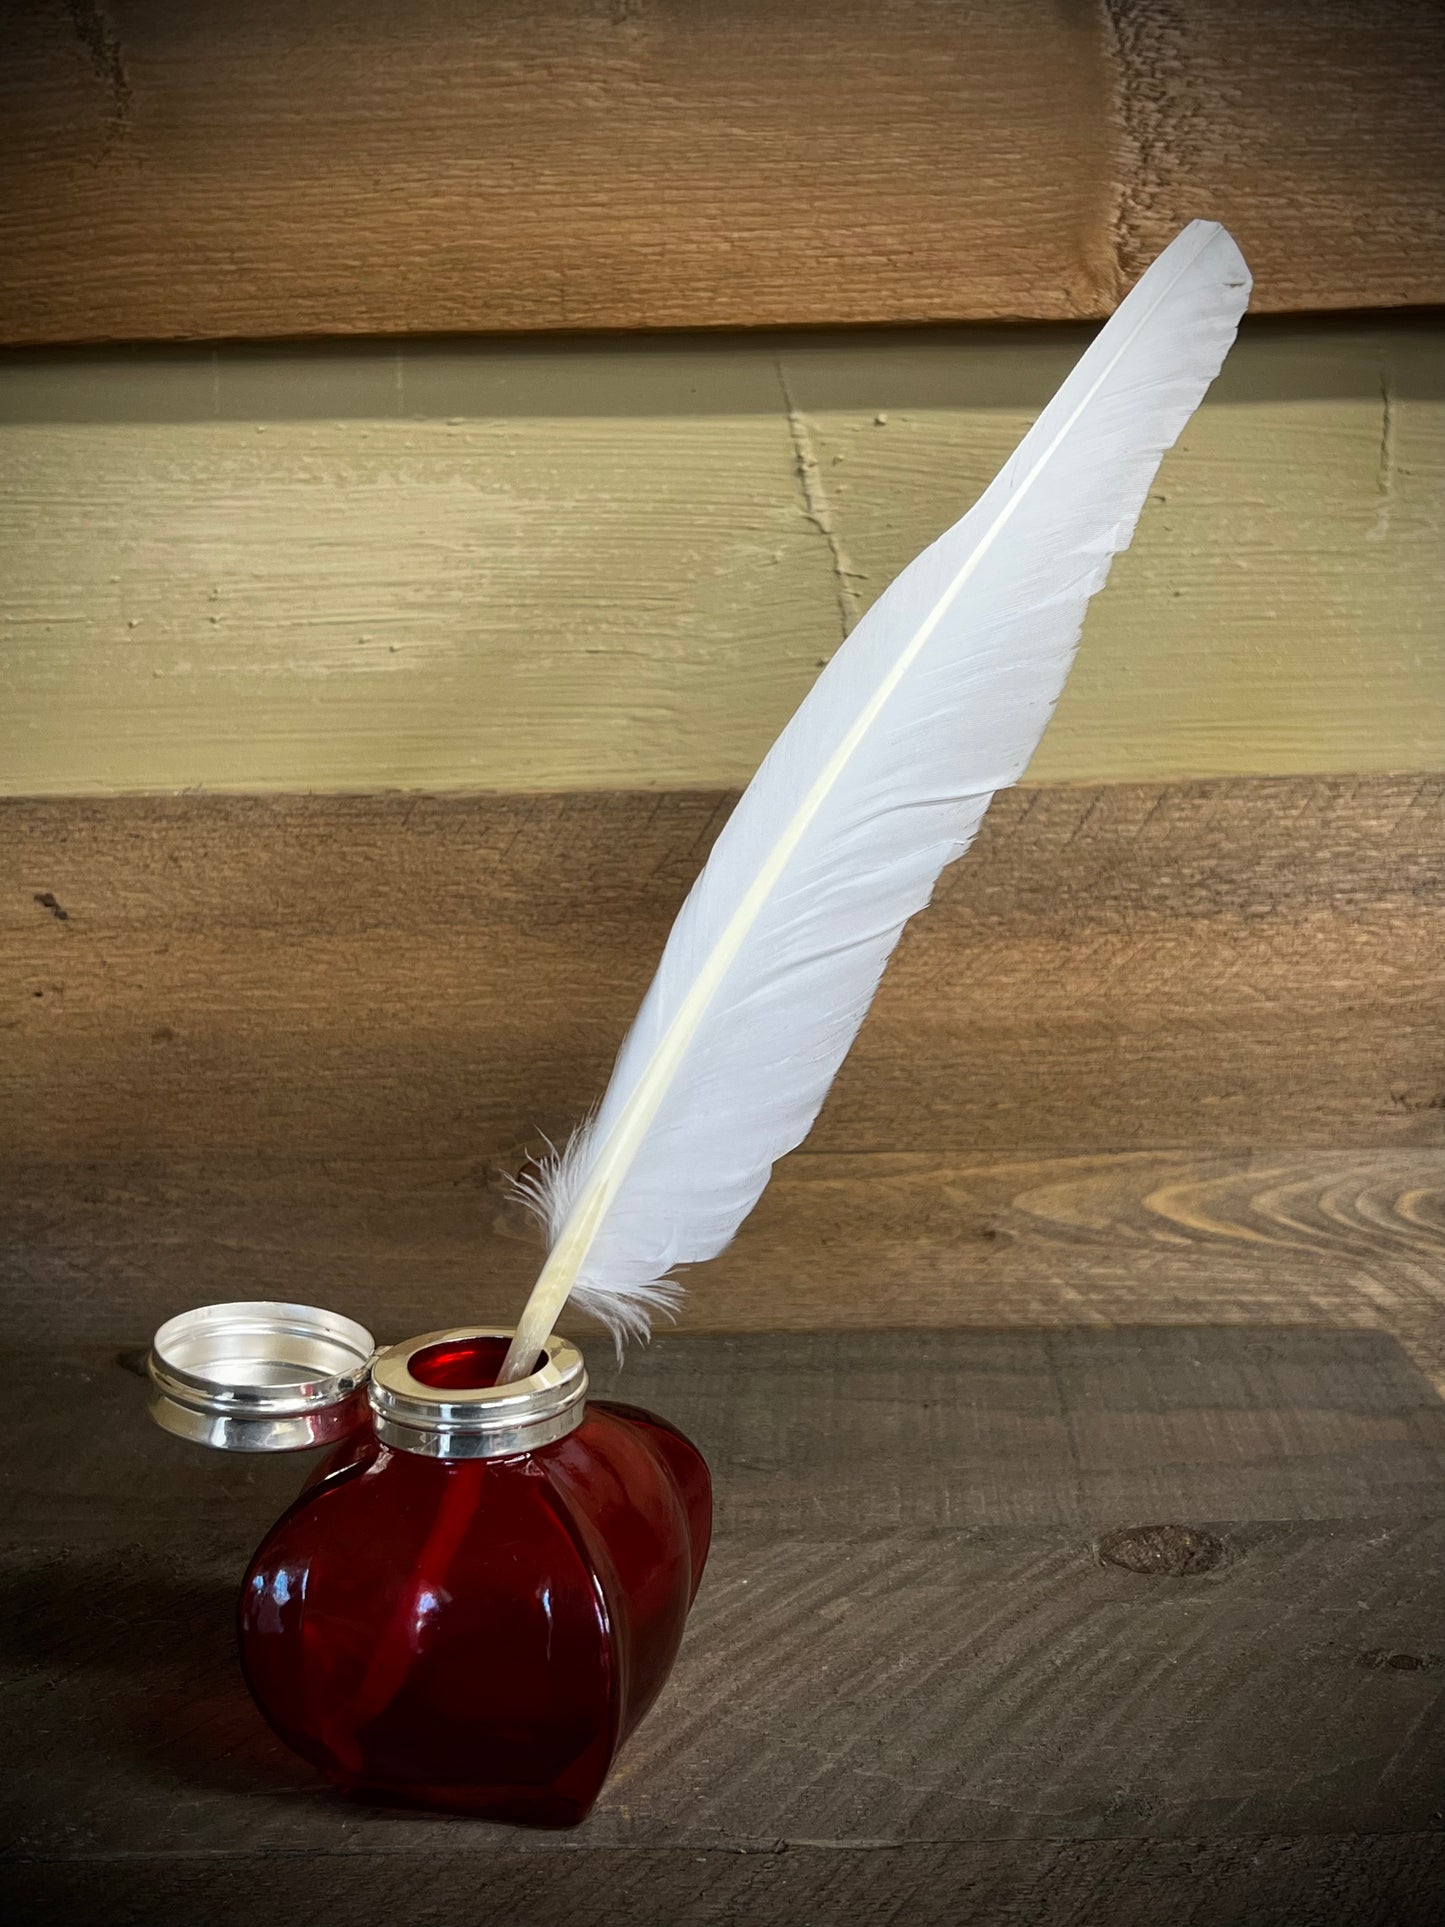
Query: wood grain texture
(1376, 1880)
(352, 167)
(1312, 128)
(356, 168)
(621, 567)
(996, 1431)
(909, 1677)
(1155, 1055)
(950, 1687)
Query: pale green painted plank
(596, 565)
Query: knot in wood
(1162, 1552)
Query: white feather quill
(935, 701)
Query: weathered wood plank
(819, 1436)
(1301, 126)
(345, 168)
(861, 1677)
(349, 169)
(1382, 1880)
(1154, 1053)
(528, 569)
(106, 1247)
(860, 1691)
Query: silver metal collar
(485, 1422)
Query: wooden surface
(587, 567)
(1379, 1880)
(1155, 1054)
(932, 1673)
(175, 171)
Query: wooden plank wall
(514, 567)
(1167, 1049)
(355, 166)
(1156, 1055)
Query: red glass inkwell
(481, 1590)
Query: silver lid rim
(293, 1434)
(195, 1396)
(481, 1422)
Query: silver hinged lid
(260, 1376)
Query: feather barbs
(935, 701)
